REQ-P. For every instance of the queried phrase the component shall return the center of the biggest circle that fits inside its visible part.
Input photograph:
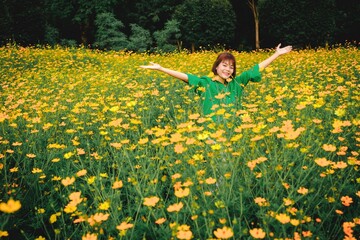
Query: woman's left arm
(279, 51)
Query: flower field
(94, 147)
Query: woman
(225, 88)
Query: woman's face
(225, 69)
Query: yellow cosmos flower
(36, 170)
(70, 208)
(10, 206)
(4, 234)
(143, 141)
(40, 238)
(53, 217)
(283, 218)
(104, 205)
(68, 155)
(182, 192)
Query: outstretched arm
(173, 73)
(279, 51)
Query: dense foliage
(93, 147)
(203, 23)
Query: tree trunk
(84, 29)
(255, 12)
(257, 37)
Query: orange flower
(256, 138)
(182, 192)
(151, 201)
(194, 116)
(347, 228)
(117, 184)
(257, 233)
(224, 233)
(68, 181)
(80, 151)
(306, 233)
(179, 148)
(124, 226)
(175, 207)
(89, 236)
(323, 162)
(116, 145)
(176, 137)
(340, 165)
(160, 221)
(210, 180)
(75, 198)
(100, 217)
(81, 173)
(346, 201)
(317, 120)
(176, 176)
(339, 212)
(329, 147)
(251, 165)
(303, 190)
(261, 201)
(184, 234)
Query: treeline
(167, 25)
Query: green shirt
(215, 93)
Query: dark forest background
(168, 25)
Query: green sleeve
(252, 74)
(195, 81)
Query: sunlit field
(94, 147)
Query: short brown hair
(222, 57)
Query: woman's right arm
(173, 73)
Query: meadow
(94, 147)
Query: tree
(149, 14)
(298, 22)
(108, 34)
(140, 39)
(167, 39)
(347, 20)
(22, 22)
(205, 23)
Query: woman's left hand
(283, 50)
